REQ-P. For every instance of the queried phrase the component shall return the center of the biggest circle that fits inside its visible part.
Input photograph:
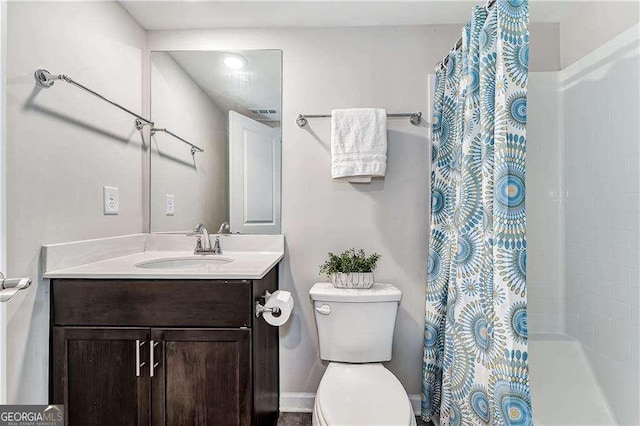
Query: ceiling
(174, 15)
(256, 85)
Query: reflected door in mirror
(254, 176)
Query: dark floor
(304, 419)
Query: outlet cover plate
(111, 201)
(171, 206)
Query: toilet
(355, 332)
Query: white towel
(358, 144)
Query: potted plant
(350, 269)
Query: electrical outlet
(111, 202)
(170, 205)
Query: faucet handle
(216, 246)
(198, 243)
(225, 228)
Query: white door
(254, 176)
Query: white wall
(337, 68)
(595, 23)
(544, 45)
(3, 191)
(545, 239)
(63, 145)
(198, 183)
(602, 162)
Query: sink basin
(192, 262)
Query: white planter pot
(352, 280)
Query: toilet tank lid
(380, 292)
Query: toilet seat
(361, 394)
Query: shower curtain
(475, 368)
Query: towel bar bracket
(301, 121)
(140, 124)
(416, 118)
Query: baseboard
(296, 402)
(416, 402)
(302, 402)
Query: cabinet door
(201, 377)
(98, 377)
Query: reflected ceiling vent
(265, 113)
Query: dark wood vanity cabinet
(94, 375)
(163, 352)
(205, 377)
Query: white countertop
(252, 257)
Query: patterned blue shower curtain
(475, 368)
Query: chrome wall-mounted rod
(414, 117)
(45, 80)
(194, 148)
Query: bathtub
(564, 390)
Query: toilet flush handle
(323, 309)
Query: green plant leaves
(350, 261)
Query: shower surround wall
(583, 181)
(545, 248)
(600, 95)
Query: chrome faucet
(204, 247)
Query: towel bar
(414, 117)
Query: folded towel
(358, 144)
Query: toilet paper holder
(260, 309)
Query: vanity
(149, 333)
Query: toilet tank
(355, 325)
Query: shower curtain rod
(458, 45)
(45, 79)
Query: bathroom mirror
(216, 142)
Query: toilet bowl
(355, 333)
(361, 395)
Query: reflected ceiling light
(235, 62)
